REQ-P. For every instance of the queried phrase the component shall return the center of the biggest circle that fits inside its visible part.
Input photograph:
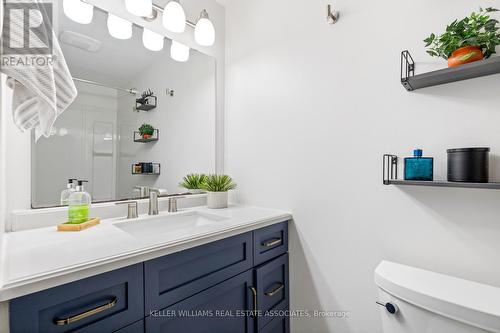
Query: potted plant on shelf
(217, 187)
(470, 39)
(193, 182)
(146, 131)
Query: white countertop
(38, 259)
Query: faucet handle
(132, 208)
(172, 203)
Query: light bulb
(118, 27)
(174, 17)
(204, 32)
(179, 52)
(142, 8)
(151, 40)
(78, 11)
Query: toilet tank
(428, 302)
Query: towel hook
(332, 16)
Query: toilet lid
(466, 301)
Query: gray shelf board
(444, 183)
(468, 71)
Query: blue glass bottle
(418, 167)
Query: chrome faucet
(143, 191)
(132, 209)
(172, 203)
(153, 201)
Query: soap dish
(78, 227)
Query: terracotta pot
(464, 55)
(146, 136)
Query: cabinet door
(222, 309)
(277, 325)
(271, 280)
(175, 277)
(137, 327)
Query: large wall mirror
(97, 138)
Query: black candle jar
(470, 165)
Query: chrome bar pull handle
(86, 314)
(254, 295)
(274, 291)
(272, 242)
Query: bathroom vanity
(227, 272)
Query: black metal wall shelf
(138, 137)
(468, 71)
(390, 175)
(146, 168)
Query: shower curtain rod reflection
(131, 91)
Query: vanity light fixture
(174, 17)
(118, 27)
(78, 11)
(204, 32)
(142, 8)
(179, 52)
(152, 40)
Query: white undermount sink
(191, 221)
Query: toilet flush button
(390, 307)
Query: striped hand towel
(40, 92)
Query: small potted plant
(470, 39)
(217, 187)
(146, 131)
(193, 182)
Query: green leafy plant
(146, 129)
(218, 183)
(479, 29)
(193, 181)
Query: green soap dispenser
(70, 188)
(79, 204)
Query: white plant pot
(217, 200)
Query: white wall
(186, 123)
(311, 108)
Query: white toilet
(428, 302)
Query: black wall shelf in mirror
(390, 177)
(146, 168)
(447, 75)
(144, 139)
(147, 102)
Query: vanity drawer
(137, 327)
(102, 303)
(175, 277)
(272, 284)
(279, 324)
(270, 242)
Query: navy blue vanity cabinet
(223, 308)
(137, 327)
(279, 324)
(102, 303)
(175, 277)
(239, 284)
